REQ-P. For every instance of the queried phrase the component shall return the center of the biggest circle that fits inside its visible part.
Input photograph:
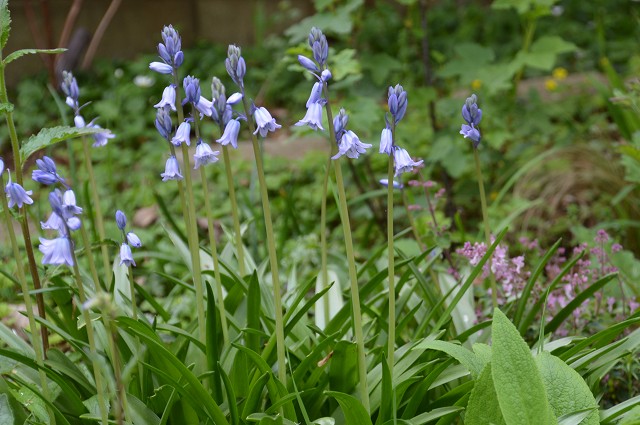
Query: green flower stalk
(473, 115)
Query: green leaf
(566, 390)
(212, 344)
(140, 413)
(49, 136)
(19, 53)
(552, 44)
(33, 403)
(6, 413)
(610, 415)
(353, 410)
(467, 358)
(343, 370)
(5, 23)
(483, 407)
(517, 382)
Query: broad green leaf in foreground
(483, 407)
(353, 411)
(518, 384)
(19, 53)
(49, 136)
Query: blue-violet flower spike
(163, 122)
(470, 111)
(264, 121)
(472, 133)
(236, 67)
(397, 101)
(171, 170)
(191, 87)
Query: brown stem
(70, 22)
(97, 36)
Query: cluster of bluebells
(172, 57)
(70, 88)
(347, 141)
(129, 239)
(397, 102)
(64, 214)
(236, 68)
(472, 115)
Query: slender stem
(121, 398)
(15, 149)
(391, 254)
(132, 289)
(235, 211)
(323, 240)
(353, 275)
(92, 343)
(37, 344)
(92, 263)
(96, 208)
(412, 221)
(485, 220)
(214, 247)
(271, 246)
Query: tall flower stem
(24, 224)
(121, 393)
(323, 239)
(37, 344)
(485, 220)
(353, 276)
(93, 352)
(235, 212)
(214, 247)
(271, 246)
(192, 230)
(97, 210)
(391, 253)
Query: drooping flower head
(46, 173)
(170, 52)
(171, 170)
(168, 98)
(57, 251)
(191, 87)
(70, 88)
(351, 146)
(397, 101)
(264, 121)
(121, 220)
(403, 162)
(204, 154)
(313, 117)
(17, 195)
(130, 239)
(126, 257)
(133, 240)
(183, 134)
(472, 115)
(230, 134)
(386, 141)
(340, 122)
(235, 65)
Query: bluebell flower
(319, 46)
(236, 67)
(264, 121)
(57, 251)
(70, 88)
(325, 76)
(350, 145)
(134, 240)
(102, 138)
(69, 207)
(163, 122)
(73, 223)
(308, 64)
(46, 172)
(126, 257)
(313, 117)
(78, 120)
(340, 122)
(54, 222)
(315, 95)
(396, 185)
(168, 98)
(204, 155)
(170, 51)
(1, 166)
(121, 220)
(230, 134)
(17, 195)
(161, 68)
(472, 115)
(402, 161)
(386, 141)
(191, 87)
(397, 101)
(234, 98)
(171, 170)
(182, 134)
(204, 106)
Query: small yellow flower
(476, 84)
(559, 74)
(550, 84)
